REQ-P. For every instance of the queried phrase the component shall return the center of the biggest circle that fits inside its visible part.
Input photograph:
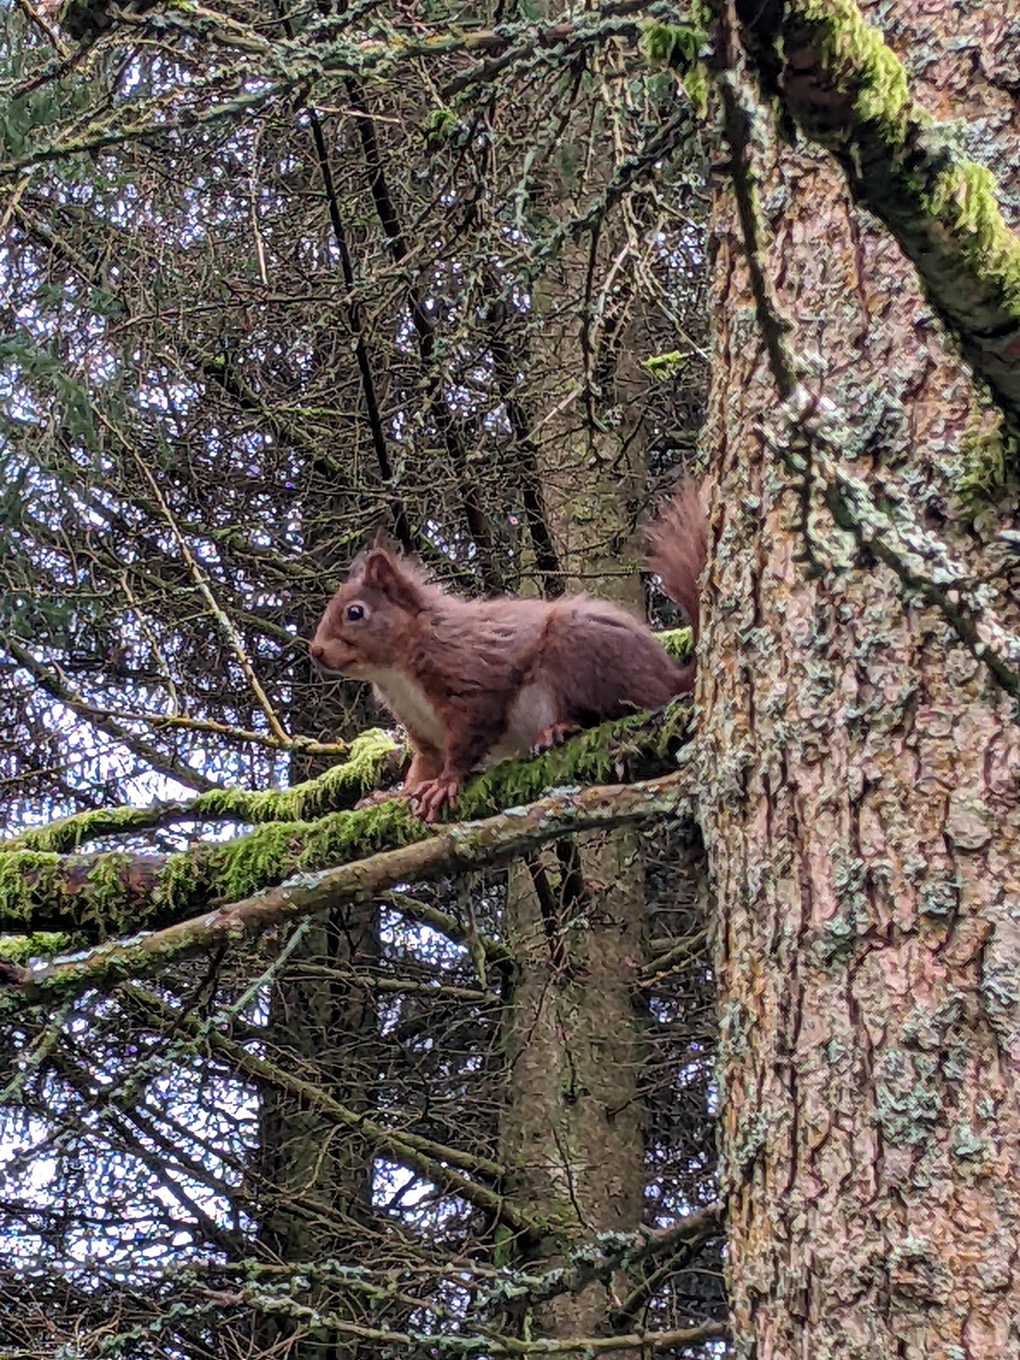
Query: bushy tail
(677, 546)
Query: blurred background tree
(273, 278)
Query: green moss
(68, 833)
(438, 126)
(670, 45)
(964, 197)
(665, 366)
(27, 880)
(43, 944)
(103, 890)
(599, 756)
(344, 783)
(103, 901)
(503, 1252)
(989, 459)
(242, 867)
(678, 642)
(336, 840)
(339, 787)
(859, 63)
(179, 884)
(676, 48)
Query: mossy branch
(455, 849)
(370, 755)
(848, 91)
(108, 894)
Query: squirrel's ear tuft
(382, 571)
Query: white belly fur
(530, 713)
(409, 703)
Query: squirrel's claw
(430, 796)
(552, 736)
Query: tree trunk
(859, 774)
(573, 1130)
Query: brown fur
(476, 681)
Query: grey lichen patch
(917, 1272)
(969, 1145)
(940, 1033)
(999, 987)
(735, 1025)
(967, 822)
(838, 937)
(849, 879)
(907, 1101)
(938, 899)
(750, 1139)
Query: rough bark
(860, 807)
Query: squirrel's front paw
(429, 797)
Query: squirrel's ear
(383, 572)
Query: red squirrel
(478, 681)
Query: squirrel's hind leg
(554, 735)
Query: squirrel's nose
(317, 649)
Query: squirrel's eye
(354, 612)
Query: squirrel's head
(369, 624)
